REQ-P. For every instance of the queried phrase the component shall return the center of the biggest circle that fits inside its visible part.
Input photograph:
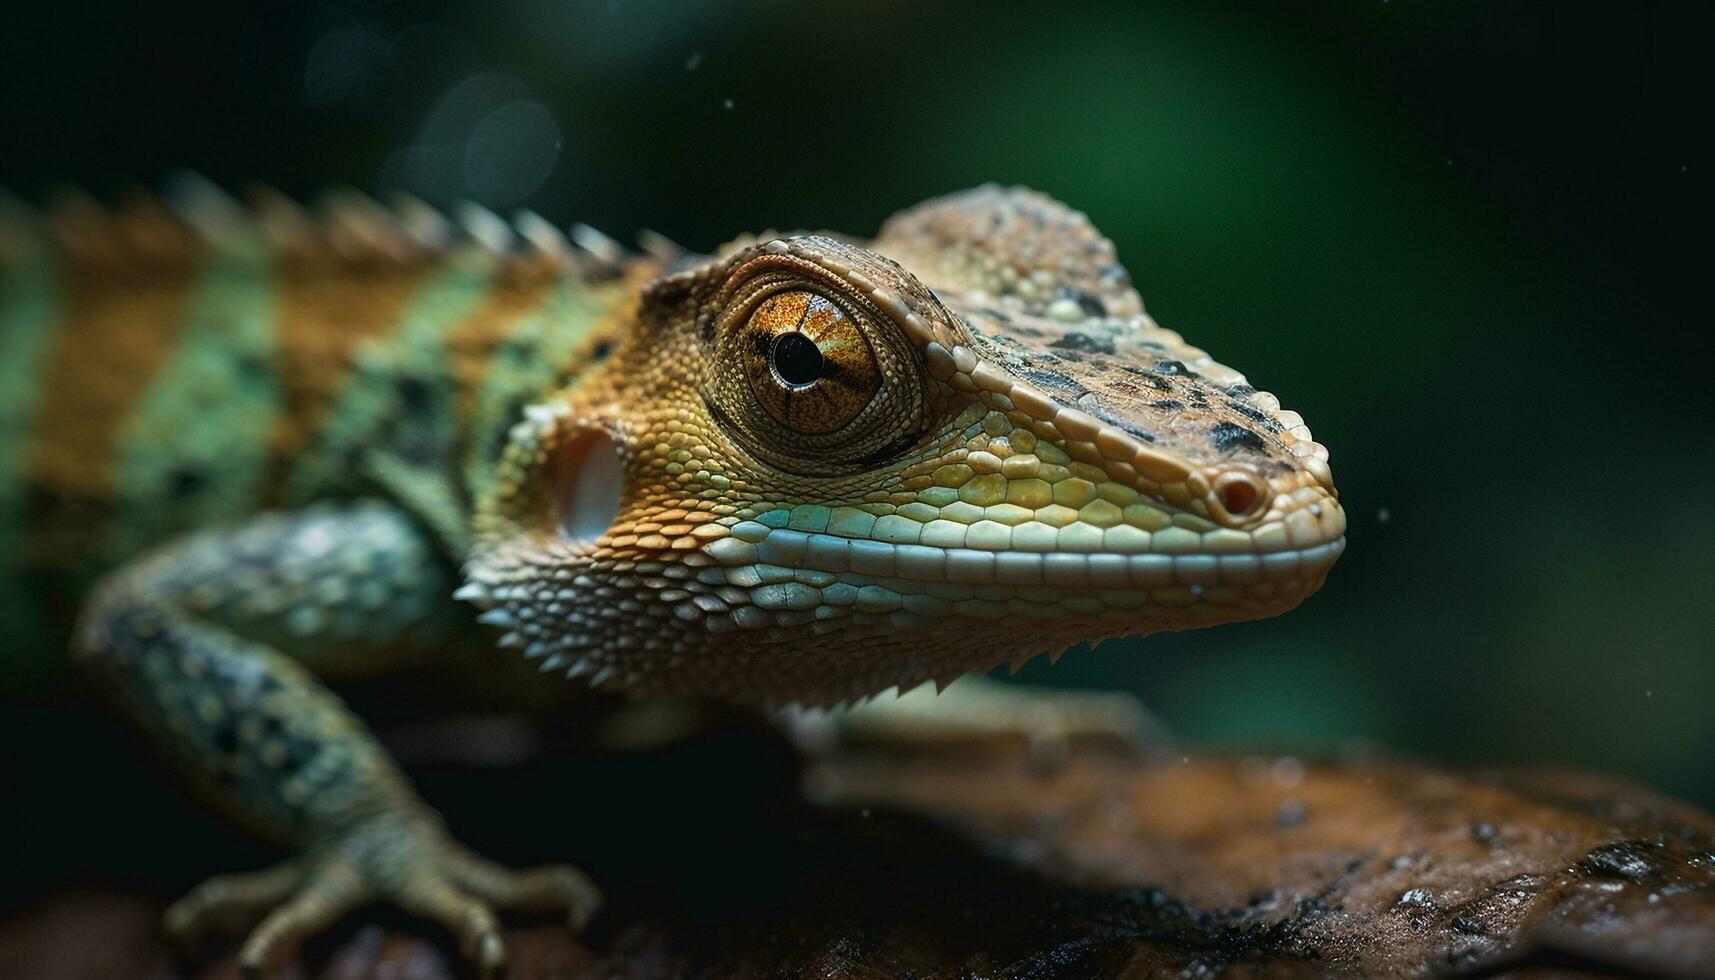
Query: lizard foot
(414, 867)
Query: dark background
(1470, 243)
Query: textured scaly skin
(805, 469)
(1039, 466)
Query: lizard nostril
(1237, 496)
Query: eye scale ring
(796, 360)
(870, 400)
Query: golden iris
(808, 363)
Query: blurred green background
(1469, 242)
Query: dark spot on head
(1144, 375)
(1256, 415)
(672, 289)
(1168, 404)
(601, 350)
(1091, 305)
(1058, 384)
(1228, 437)
(990, 311)
(887, 453)
(1085, 343)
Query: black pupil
(796, 359)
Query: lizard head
(814, 470)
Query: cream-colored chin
(589, 481)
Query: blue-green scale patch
(397, 414)
(528, 366)
(195, 449)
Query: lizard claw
(548, 888)
(229, 902)
(326, 895)
(413, 866)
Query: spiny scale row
(194, 215)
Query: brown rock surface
(974, 863)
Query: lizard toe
(327, 894)
(435, 898)
(229, 902)
(548, 888)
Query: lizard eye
(808, 363)
(807, 373)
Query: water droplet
(1625, 859)
(1382, 516)
(1415, 898)
(728, 104)
(1466, 925)
(694, 62)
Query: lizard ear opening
(588, 482)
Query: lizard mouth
(1286, 558)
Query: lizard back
(162, 369)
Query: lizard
(262, 448)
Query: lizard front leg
(208, 646)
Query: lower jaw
(1102, 593)
(1068, 570)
